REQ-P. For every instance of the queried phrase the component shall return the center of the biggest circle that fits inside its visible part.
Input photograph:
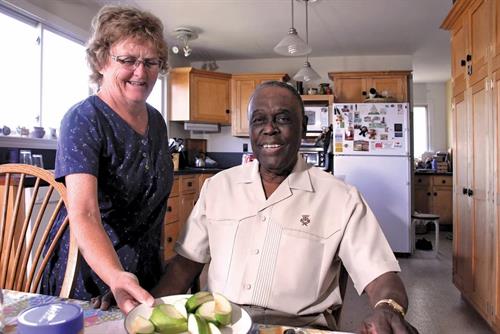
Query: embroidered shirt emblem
(305, 220)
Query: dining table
(97, 321)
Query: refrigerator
(371, 151)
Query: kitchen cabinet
(199, 96)
(349, 86)
(184, 194)
(474, 25)
(433, 194)
(242, 88)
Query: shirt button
(144, 154)
(256, 251)
(263, 218)
(248, 286)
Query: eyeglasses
(130, 63)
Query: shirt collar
(298, 179)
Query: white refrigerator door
(371, 129)
(384, 182)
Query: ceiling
(247, 29)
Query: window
(44, 73)
(420, 131)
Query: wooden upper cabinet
(496, 36)
(470, 25)
(242, 88)
(199, 96)
(479, 38)
(458, 57)
(350, 86)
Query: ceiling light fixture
(184, 35)
(306, 73)
(292, 44)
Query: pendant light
(306, 73)
(292, 44)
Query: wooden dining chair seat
(31, 200)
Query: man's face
(276, 129)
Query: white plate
(240, 318)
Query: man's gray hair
(281, 84)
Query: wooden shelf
(320, 98)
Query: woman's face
(125, 83)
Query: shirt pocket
(221, 235)
(301, 268)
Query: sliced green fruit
(168, 320)
(180, 305)
(141, 325)
(213, 328)
(197, 299)
(222, 309)
(207, 311)
(197, 325)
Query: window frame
(427, 127)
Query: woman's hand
(128, 293)
(386, 321)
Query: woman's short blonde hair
(113, 24)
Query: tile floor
(436, 306)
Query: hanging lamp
(306, 73)
(292, 44)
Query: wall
(433, 95)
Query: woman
(113, 156)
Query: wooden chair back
(27, 216)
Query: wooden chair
(22, 231)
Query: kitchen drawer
(175, 187)
(439, 180)
(171, 233)
(187, 184)
(172, 214)
(422, 180)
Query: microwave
(313, 156)
(317, 118)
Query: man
(276, 231)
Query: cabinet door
(186, 206)
(462, 221)
(442, 203)
(479, 39)
(496, 108)
(242, 91)
(395, 87)
(496, 37)
(172, 214)
(458, 57)
(171, 233)
(210, 99)
(482, 230)
(422, 193)
(349, 90)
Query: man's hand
(127, 293)
(383, 320)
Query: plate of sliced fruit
(201, 313)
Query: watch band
(391, 302)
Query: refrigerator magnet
(397, 144)
(384, 136)
(338, 148)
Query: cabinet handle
(363, 93)
(228, 111)
(435, 194)
(169, 208)
(469, 57)
(169, 239)
(470, 192)
(464, 191)
(462, 62)
(419, 181)
(428, 194)
(443, 181)
(190, 184)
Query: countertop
(197, 170)
(431, 172)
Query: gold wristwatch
(392, 303)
